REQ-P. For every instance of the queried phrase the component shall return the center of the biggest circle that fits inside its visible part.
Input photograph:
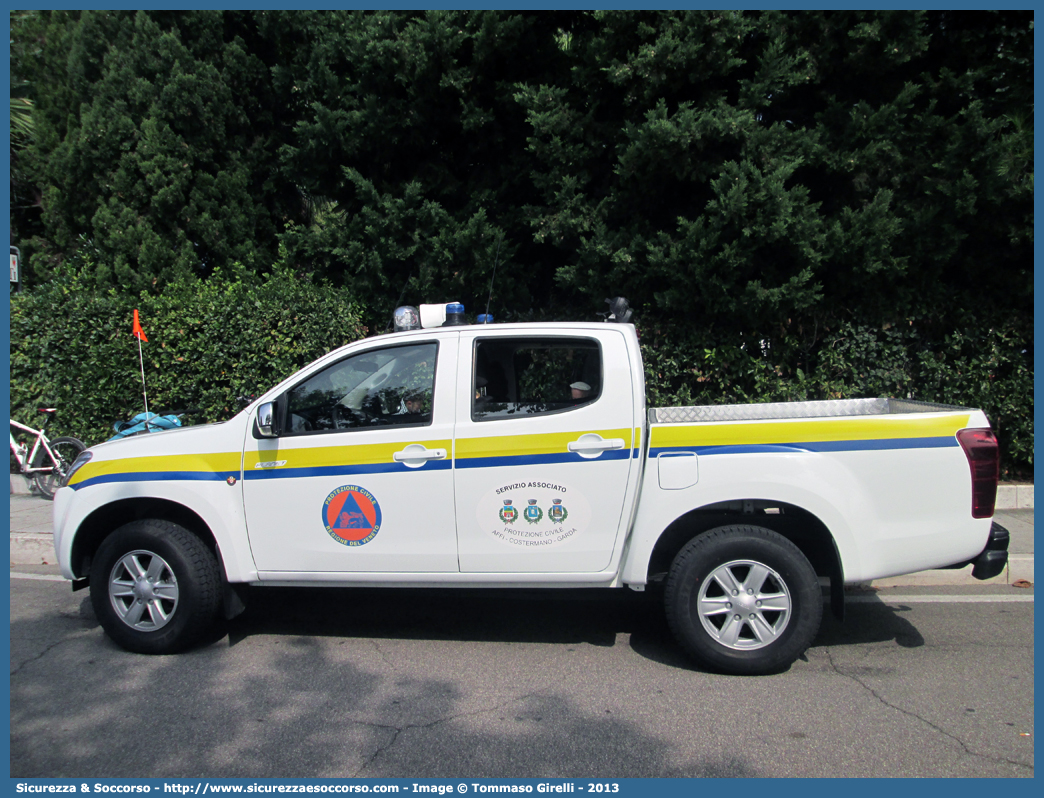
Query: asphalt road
(417, 683)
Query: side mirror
(266, 420)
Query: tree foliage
(157, 146)
(762, 184)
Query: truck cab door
(359, 477)
(543, 451)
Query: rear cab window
(519, 377)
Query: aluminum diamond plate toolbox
(831, 408)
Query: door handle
(415, 452)
(590, 444)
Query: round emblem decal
(352, 515)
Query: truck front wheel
(155, 587)
(743, 600)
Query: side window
(534, 376)
(386, 387)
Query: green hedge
(979, 364)
(209, 343)
(71, 345)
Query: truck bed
(766, 411)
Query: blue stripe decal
(516, 460)
(538, 459)
(887, 443)
(282, 473)
(354, 470)
(158, 476)
(817, 446)
(344, 470)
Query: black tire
(743, 600)
(66, 450)
(174, 609)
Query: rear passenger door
(543, 449)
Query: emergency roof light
(454, 314)
(406, 317)
(443, 314)
(619, 310)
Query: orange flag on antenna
(138, 332)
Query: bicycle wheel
(65, 451)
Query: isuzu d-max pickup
(523, 455)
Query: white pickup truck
(523, 455)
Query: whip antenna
(406, 285)
(494, 277)
(139, 333)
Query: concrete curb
(1020, 567)
(1014, 497)
(37, 548)
(20, 486)
(34, 548)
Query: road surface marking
(43, 577)
(961, 599)
(859, 599)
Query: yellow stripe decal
(506, 450)
(218, 465)
(329, 456)
(529, 445)
(824, 431)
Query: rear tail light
(980, 447)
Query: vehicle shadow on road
(594, 617)
(869, 621)
(302, 707)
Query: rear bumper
(994, 557)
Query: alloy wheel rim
(143, 591)
(744, 605)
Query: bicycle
(48, 462)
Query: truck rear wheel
(743, 600)
(155, 587)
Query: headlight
(83, 459)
